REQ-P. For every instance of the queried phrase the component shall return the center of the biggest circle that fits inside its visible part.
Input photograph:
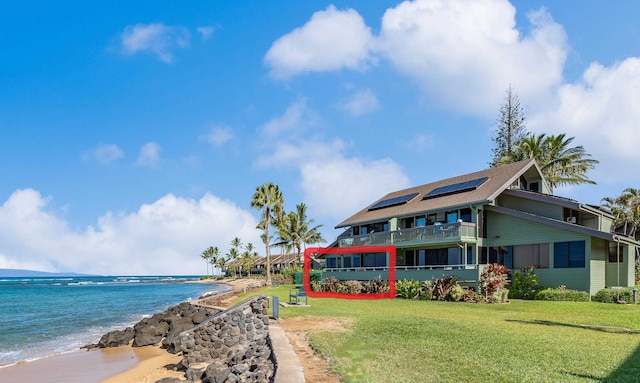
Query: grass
(523, 341)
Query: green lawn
(522, 341)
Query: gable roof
(498, 179)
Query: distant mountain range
(20, 273)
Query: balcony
(448, 232)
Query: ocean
(54, 315)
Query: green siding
(530, 206)
(599, 257)
(625, 271)
(504, 230)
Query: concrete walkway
(288, 366)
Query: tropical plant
(267, 198)
(560, 163)
(442, 287)
(510, 128)
(408, 289)
(376, 286)
(353, 287)
(493, 279)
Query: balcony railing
(416, 235)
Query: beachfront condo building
(505, 215)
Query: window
(374, 260)
(465, 214)
(347, 262)
(356, 260)
(331, 263)
(500, 254)
(569, 254)
(421, 221)
(525, 256)
(534, 187)
(616, 255)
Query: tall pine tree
(510, 128)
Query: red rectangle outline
(390, 249)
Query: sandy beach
(114, 365)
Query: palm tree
(213, 256)
(207, 257)
(233, 255)
(625, 209)
(221, 263)
(267, 198)
(560, 163)
(294, 230)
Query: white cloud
(161, 238)
(340, 186)
(362, 102)
(421, 142)
(464, 54)
(334, 185)
(157, 38)
(149, 155)
(217, 136)
(601, 111)
(205, 32)
(332, 39)
(104, 154)
(295, 119)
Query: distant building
(504, 214)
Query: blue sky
(133, 134)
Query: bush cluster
(524, 284)
(442, 289)
(609, 295)
(562, 294)
(335, 285)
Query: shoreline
(120, 364)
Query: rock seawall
(231, 346)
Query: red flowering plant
(493, 280)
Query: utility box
(276, 307)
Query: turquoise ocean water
(47, 316)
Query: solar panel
(455, 188)
(395, 201)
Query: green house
(504, 214)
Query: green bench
(296, 295)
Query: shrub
(331, 284)
(562, 294)
(456, 292)
(316, 286)
(609, 295)
(376, 286)
(288, 274)
(408, 289)
(427, 291)
(353, 287)
(493, 279)
(442, 287)
(525, 284)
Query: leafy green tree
(267, 198)
(561, 163)
(510, 128)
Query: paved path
(288, 366)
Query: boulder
(116, 338)
(150, 334)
